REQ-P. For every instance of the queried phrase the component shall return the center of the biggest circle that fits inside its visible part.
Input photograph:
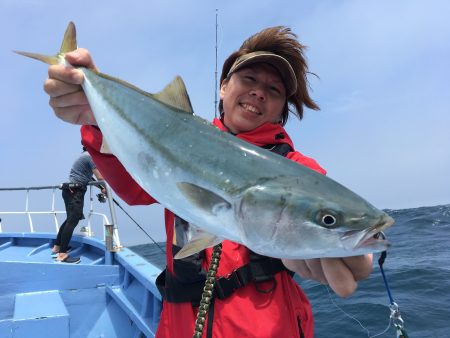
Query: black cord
(126, 213)
(145, 232)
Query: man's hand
(341, 274)
(67, 98)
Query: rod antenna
(215, 85)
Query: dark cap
(280, 63)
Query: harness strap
(187, 285)
(280, 148)
(260, 269)
(175, 291)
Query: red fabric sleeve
(306, 161)
(112, 170)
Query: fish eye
(327, 219)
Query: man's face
(251, 97)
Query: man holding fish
(262, 84)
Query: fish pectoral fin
(68, 44)
(104, 149)
(175, 95)
(198, 244)
(203, 198)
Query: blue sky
(383, 83)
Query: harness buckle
(262, 278)
(226, 285)
(262, 275)
(272, 287)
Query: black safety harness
(181, 288)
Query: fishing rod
(145, 232)
(215, 73)
(102, 198)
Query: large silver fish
(228, 188)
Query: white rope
(356, 319)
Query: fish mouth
(370, 238)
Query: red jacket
(247, 312)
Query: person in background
(262, 84)
(73, 195)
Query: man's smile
(251, 108)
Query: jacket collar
(267, 133)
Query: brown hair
(281, 41)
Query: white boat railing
(110, 230)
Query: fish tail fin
(48, 59)
(68, 44)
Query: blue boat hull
(106, 295)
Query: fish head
(294, 218)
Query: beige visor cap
(280, 63)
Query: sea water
(417, 268)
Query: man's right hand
(67, 98)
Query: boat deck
(37, 249)
(105, 295)
(111, 293)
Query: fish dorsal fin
(201, 242)
(175, 95)
(68, 44)
(204, 199)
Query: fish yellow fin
(48, 59)
(175, 95)
(69, 44)
(197, 245)
(104, 148)
(203, 198)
